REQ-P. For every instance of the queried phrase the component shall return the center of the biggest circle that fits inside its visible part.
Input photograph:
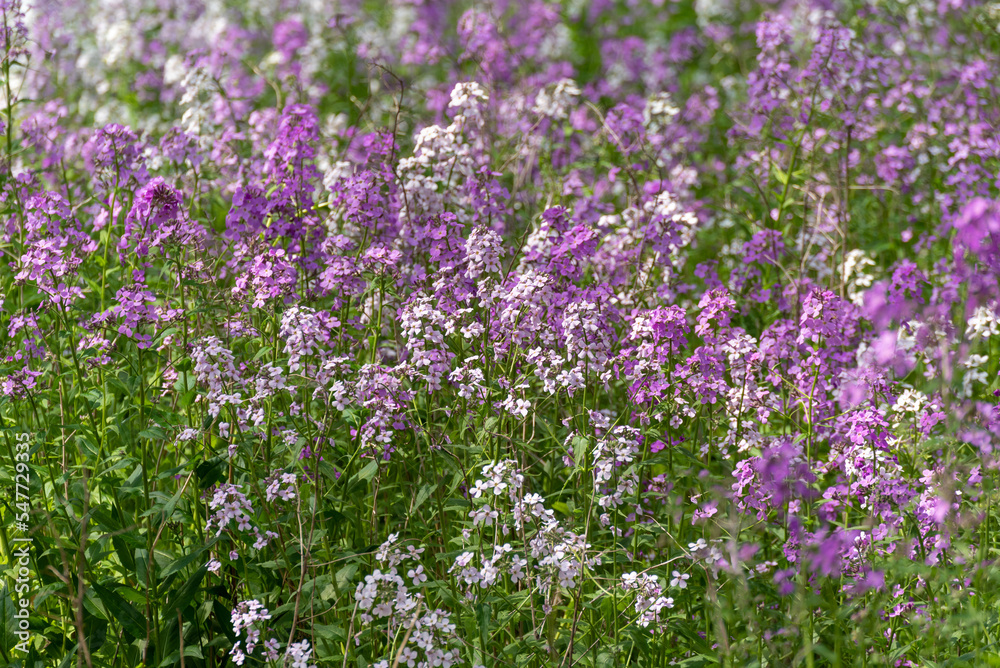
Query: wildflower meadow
(499, 333)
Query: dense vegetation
(499, 333)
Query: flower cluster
(446, 331)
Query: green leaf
(456, 480)
(781, 176)
(329, 632)
(105, 519)
(580, 446)
(153, 434)
(319, 583)
(97, 631)
(184, 383)
(697, 662)
(131, 620)
(124, 555)
(118, 386)
(483, 617)
(142, 566)
(70, 658)
(210, 472)
(172, 472)
(225, 619)
(187, 399)
(329, 593)
(180, 564)
(174, 658)
(7, 611)
(167, 508)
(122, 463)
(328, 470)
(423, 495)
(345, 575)
(134, 481)
(184, 595)
(368, 472)
(164, 334)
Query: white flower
(983, 323)
(484, 515)
(299, 654)
(556, 104)
(467, 99)
(853, 272)
(659, 110)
